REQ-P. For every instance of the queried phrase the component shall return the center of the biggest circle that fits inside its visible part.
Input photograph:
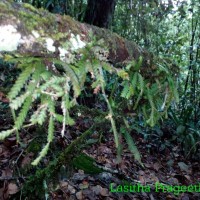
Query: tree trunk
(100, 12)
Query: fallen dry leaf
(12, 188)
(63, 184)
(104, 192)
(97, 189)
(142, 180)
(7, 173)
(79, 195)
(71, 189)
(156, 166)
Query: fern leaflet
(50, 129)
(23, 77)
(41, 155)
(23, 113)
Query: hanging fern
(24, 76)
(18, 101)
(39, 115)
(134, 81)
(125, 90)
(23, 113)
(5, 134)
(131, 145)
(141, 88)
(73, 77)
(50, 129)
(42, 154)
(65, 82)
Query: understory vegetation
(57, 117)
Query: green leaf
(125, 90)
(23, 77)
(23, 113)
(87, 164)
(131, 145)
(123, 74)
(50, 129)
(41, 155)
(18, 101)
(5, 134)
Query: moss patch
(86, 163)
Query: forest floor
(164, 163)
(162, 167)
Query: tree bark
(100, 12)
(27, 32)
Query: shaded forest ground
(94, 165)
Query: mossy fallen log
(28, 32)
(35, 182)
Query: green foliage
(170, 30)
(4, 134)
(20, 82)
(46, 86)
(138, 90)
(23, 113)
(186, 132)
(87, 164)
(42, 154)
(132, 147)
(50, 129)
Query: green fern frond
(95, 67)
(54, 81)
(125, 90)
(109, 68)
(141, 87)
(46, 75)
(58, 90)
(18, 101)
(50, 130)
(95, 84)
(27, 103)
(74, 80)
(69, 120)
(39, 115)
(123, 74)
(151, 120)
(66, 105)
(131, 92)
(5, 134)
(131, 145)
(141, 82)
(35, 79)
(23, 113)
(80, 72)
(19, 84)
(173, 88)
(134, 81)
(73, 77)
(42, 116)
(51, 105)
(58, 117)
(41, 155)
(138, 64)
